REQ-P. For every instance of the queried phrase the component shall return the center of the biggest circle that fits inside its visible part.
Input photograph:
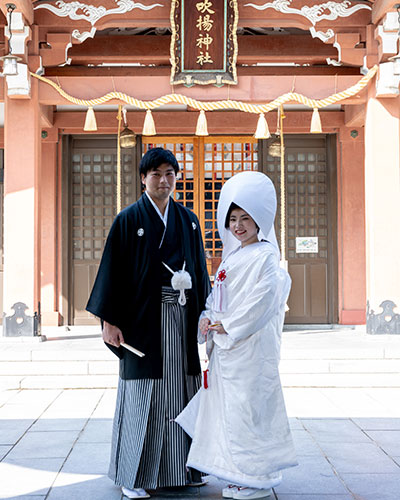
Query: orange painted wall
(351, 206)
(49, 234)
(21, 202)
(351, 227)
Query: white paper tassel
(316, 127)
(90, 121)
(149, 127)
(201, 128)
(262, 131)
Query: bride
(238, 420)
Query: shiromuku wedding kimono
(238, 423)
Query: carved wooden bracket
(387, 36)
(348, 50)
(56, 51)
(21, 35)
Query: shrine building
(305, 91)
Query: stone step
(305, 380)
(110, 367)
(79, 359)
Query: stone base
(21, 324)
(385, 322)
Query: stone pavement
(54, 444)
(342, 396)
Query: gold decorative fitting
(127, 138)
(274, 149)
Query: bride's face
(243, 227)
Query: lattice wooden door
(93, 200)
(206, 163)
(308, 215)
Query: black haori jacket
(127, 290)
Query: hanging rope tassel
(217, 105)
(262, 131)
(90, 121)
(149, 127)
(119, 118)
(201, 128)
(316, 127)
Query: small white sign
(307, 244)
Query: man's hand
(203, 325)
(112, 334)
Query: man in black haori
(140, 306)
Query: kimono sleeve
(107, 296)
(207, 313)
(259, 305)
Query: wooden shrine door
(91, 200)
(311, 248)
(206, 163)
(310, 173)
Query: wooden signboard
(204, 43)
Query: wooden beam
(46, 116)
(184, 122)
(354, 116)
(381, 8)
(156, 49)
(147, 71)
(250, 88)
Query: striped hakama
(148, 449)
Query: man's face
(160, 182)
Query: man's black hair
(233, 207)
(156, 157)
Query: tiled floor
(55, 444)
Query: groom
(134, 298)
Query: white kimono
(239, 424)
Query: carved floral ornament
(78, 11)
(329, 11)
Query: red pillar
(21, 202)
(49, 233)
(351, 226)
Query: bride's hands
(203, 325)
(217, 327)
